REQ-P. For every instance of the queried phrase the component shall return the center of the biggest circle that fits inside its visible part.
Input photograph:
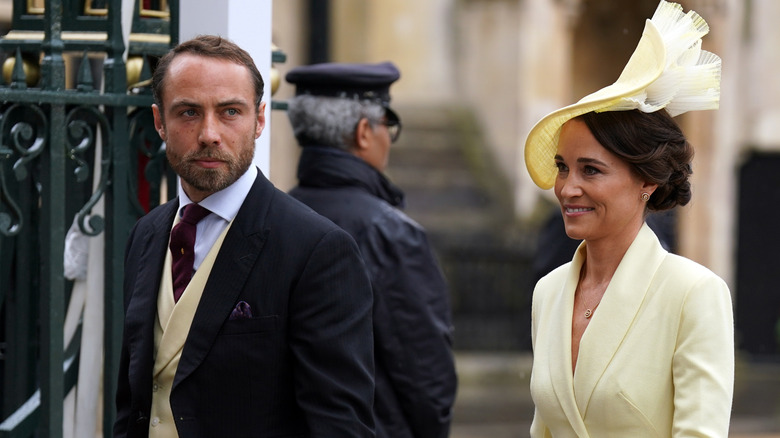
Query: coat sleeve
(123, 381)
(703, 364)
(538, 427)
(413, 328)
(331, 340)
(122, 396)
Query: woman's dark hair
(210, 46)
(653, 145)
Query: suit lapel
(142, 307)
(240, 250)
(617, 311)
(560, 358)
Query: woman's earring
(645, 196)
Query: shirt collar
(226, 202)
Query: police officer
(342, 119)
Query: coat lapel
(617, 311)
(142, 306)
(560, 358)
(240, 250)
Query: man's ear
(363, 134)
(260, 119)
(159, 126)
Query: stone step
(433, 162)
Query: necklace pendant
(588, 313)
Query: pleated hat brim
(646, 65)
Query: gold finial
(134, 66)
(32, 70)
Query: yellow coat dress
(657, 358)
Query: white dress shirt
(224, 206)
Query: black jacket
(415, 370)
(302, 366)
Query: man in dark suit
(272, 334)
(342, 119)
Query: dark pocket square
(241, 311)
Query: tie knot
(193, 213)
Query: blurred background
(476, 76)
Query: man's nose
(209, 134)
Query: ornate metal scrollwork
(145, 140)
(80, 129)
(25, 127)
(8, 225)
(82, 123)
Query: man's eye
(232, 112)
(189, 113)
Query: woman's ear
(649, 188)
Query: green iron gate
(51, 127)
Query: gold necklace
(588, 310)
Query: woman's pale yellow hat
(668, 70)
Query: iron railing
(50, 132)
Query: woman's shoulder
(557, 274)
(553, 281)
(674, 263)
(687, 274)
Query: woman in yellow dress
(630, 340)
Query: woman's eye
(561, 167)
(589, 170)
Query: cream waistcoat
(170, 333)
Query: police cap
(349, 81)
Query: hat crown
(668, 70)
(351, 81)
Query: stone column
(708, 225)
(416, 35)
(248, 24)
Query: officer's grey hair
(330, 121)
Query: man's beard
(211, 180)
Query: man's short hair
(330, 121)
(331, 98)
(210, 46)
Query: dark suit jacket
(301, 367)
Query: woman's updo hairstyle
(655, 147)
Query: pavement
(494, 401)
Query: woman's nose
(570, 187)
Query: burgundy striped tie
(183, 247)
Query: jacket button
(155, 421)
